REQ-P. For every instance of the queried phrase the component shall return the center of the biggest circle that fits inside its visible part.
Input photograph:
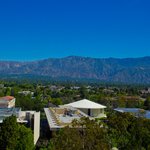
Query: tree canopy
(14, 136)
(121, 130)
(84, 134)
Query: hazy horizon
(21, 60)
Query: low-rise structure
(33, 122)
(59, 117)
(147, 91)
(7, 102)
(90, 108)
(137, 112)
(26, 93)
(31, 119)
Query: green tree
(8, 91)
(14, 136)
(25, 102)
(56, 101)
(83, 92)
(85, 134)
(127, 132)
(25, 140)
(147, 103)
(9, 133)
(118, 124)
(122, 101)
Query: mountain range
(127, 70)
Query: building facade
(7, 102)
(30, 119)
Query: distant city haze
(33, 30)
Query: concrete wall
(11, 103)
(84, 110)
(97, 112)
(36, 126)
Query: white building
(33, 121)
(26, 93)
(90, 108)
(59, 117)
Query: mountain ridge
(126, 70)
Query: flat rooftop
(6, 98)
(135, 111)
(7, 112)
(59, 117)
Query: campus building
(7, 102)
(30, 119)
(59, 117)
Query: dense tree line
(120, 130)
(112, 97)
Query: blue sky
(37, 29)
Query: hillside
(129, 70)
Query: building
(26, 93)
(7, 102)
(30, 119)
(90, 108)
(59, 117)
(137, 112)
(145, 91)
(7, 112)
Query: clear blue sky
(37, 29)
